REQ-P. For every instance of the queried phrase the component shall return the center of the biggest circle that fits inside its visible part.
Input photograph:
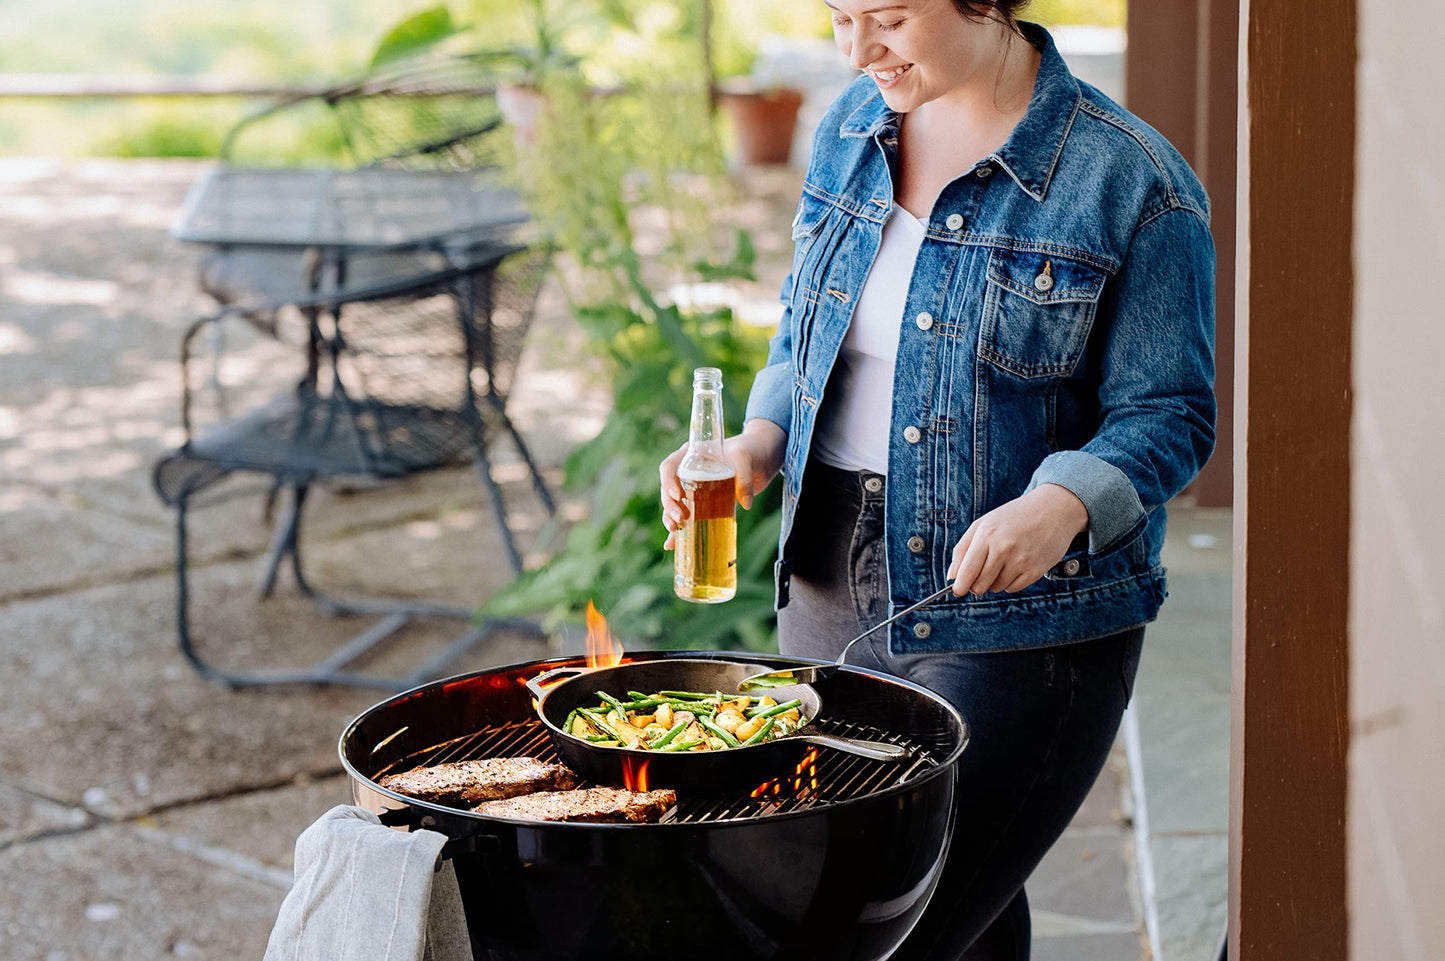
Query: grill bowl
(840, 879)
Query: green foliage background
(601, 168)
(315, 41)
(259, 41)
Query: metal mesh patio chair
(401, 377)
(429, 113)
(432, 112)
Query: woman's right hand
(756, 455)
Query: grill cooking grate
(825, 776)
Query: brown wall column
(1181, 76)
(1292, 483)
(1216, 152)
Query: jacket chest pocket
(1038, 310)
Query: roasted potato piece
(730, 721)
(748, 728)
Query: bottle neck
(705, 434)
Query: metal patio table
(323, 242)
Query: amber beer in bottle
(706, 546)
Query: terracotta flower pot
(763, 122)
(521, 106)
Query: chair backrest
(426, 365)
(428, 113)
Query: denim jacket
(1059, 328)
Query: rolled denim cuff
(772, 396)
(1115, 511)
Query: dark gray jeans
(1041, 721)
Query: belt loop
(782, 575)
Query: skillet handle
(877, 750)
(538, 685)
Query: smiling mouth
(888, 76)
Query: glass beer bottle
(706, 546)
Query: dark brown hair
(1008, 10)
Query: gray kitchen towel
(365, 892)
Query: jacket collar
(1031, 152)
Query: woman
(995, 367)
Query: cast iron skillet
(681, 770)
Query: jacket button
(921, 631)
(912, 434)
(1071, 567)
(924, 320)
(954, 221)
(915, 544)
(873, 485)
(1043, 282)
(984, 172)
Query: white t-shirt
(853, 422)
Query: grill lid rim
(944, 766)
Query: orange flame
(602, 648)
(796, 781)
(634, 774)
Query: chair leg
(499, 506)
(183, 598)
(538, 483)
(285, 537)
(329, 670)
(293, 547)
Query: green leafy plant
(600, 166)
(416, 34)
(529, 36)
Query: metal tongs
(812, 674)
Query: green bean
(599, 737)
(638, 695)
(686, 695)
(775, 709)
(644, 703)
(727, 738)
(567, 727)
(672, 733)
(681, 746)
(761, 733)
(614, 703)
(600, 724)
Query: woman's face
(916, 50)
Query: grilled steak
(465, 783)
(590, 804)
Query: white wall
(1396, 851)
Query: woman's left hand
(1015, 544)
